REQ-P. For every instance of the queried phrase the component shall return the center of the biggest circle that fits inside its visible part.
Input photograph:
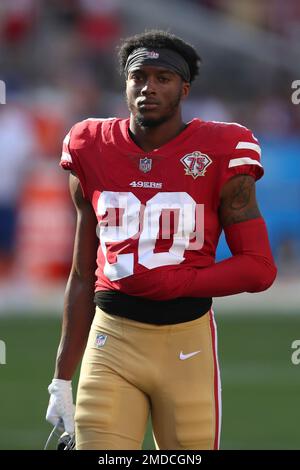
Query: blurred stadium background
(58, 63)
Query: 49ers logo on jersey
(196, 163)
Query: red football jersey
(158, 210)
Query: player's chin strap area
(65, 441)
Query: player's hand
(61, 405)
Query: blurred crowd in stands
(279, 16)
(58, 61)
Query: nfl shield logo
(145, 164)
(100, 340)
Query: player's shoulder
(229, 133)
(238, 149)
(84, 133)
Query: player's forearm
(79, 311)
(241, 273)
(251, 268)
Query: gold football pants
(131, 369)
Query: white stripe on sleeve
(249, 146)
(66, 157)
(67, 139)
(243, 161)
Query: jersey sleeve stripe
(243, 161)
(67, 139)
(66, 157)
(249, 146)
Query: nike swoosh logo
(183, 357)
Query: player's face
(154, 94)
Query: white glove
(61, 405)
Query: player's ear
(186, 86)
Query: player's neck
(150, 138)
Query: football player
(152, 195)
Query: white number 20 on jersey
(128, 218)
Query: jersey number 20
(128, 218)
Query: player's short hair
(160, 40)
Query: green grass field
(261, 386)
